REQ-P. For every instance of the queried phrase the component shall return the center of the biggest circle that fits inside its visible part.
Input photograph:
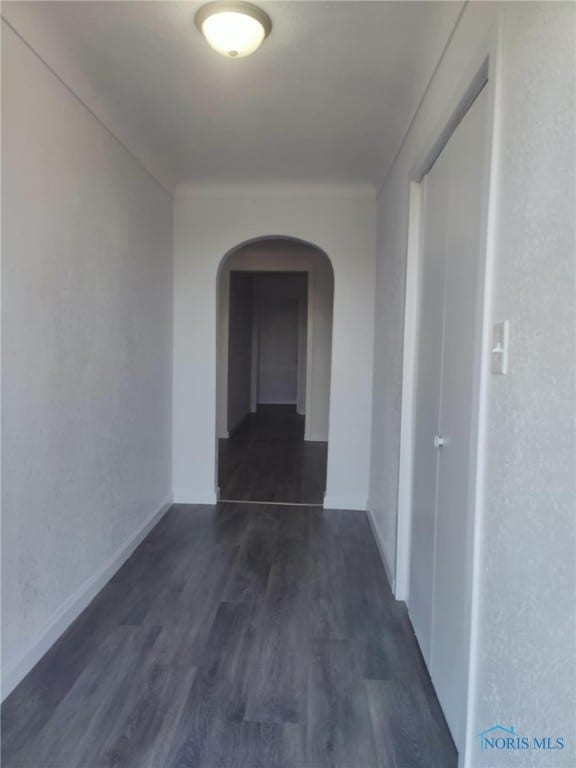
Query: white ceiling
(326, 99)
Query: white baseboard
(342, 502)
(315, 437)
(387, 567)
(277, 402)
(196, 497)
(75, 604)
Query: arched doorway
(274, 343)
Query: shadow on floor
(267, 459)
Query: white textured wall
(526, 641)
(87, 324)
(205, 229)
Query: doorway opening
(275, 304)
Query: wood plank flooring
(236, 636)
(267, 459)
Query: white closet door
(454, 517)
(443, 492)
(431, 320)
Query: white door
(278, 350)
(446, 401)
(432, 277)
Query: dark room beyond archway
(275, 304)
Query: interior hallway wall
(527, 659)
(525, 645)
(87, 343)
(207, 226)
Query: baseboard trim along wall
(194, 497)
(340, 502)
(385, 562)
(315, 437)
(276, 402)
(75, 604)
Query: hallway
(267, 459)
(287, 388)
(236, 635)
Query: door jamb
(309, 338)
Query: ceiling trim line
(422, 98)
(279, 190)
(86, 106)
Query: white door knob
(439, 441)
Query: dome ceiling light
(234, 29)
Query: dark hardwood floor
(267, 459)
(236, 636)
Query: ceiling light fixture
(233, 29)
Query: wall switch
(500, 336)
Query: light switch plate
(500, 343)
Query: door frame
(483, 71)
(223, 335)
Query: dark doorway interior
(267, 459)
(265, 456)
